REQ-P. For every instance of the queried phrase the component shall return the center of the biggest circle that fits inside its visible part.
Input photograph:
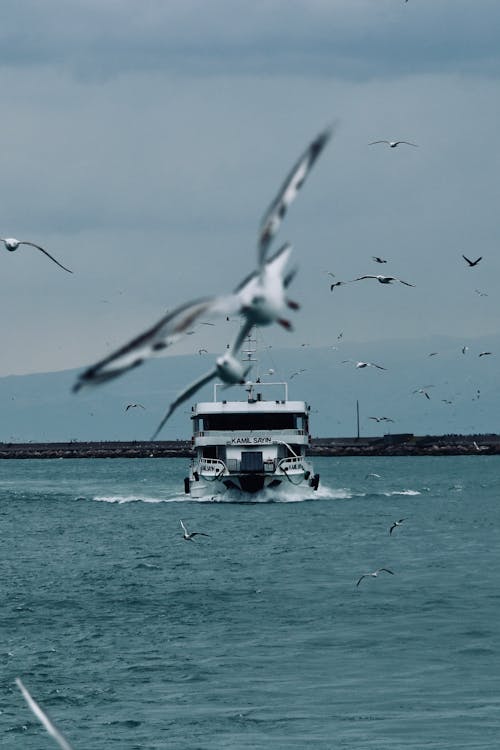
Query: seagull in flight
(382, 279)
(43, 718)
(337, 283)
(472, 263)
(396, 524)
(423, 390)
(393, 144)
(12, 244)
(189, 536)
(374, 574)
(484, 354)
(229, 369)
(481, 294)
(381, 419)
(134, 406)
(377, 259)
(361, 365)
(298, 372)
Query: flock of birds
(260, 299)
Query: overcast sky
(142, 141)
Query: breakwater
(387, 445)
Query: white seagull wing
(184, 528)
(271, 221)
(150, 343)
(43, 718)
(183, 396)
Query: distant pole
(357, 415)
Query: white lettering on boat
(250, 440)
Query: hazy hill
(41, 407)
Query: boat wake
(281, 495)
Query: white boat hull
(218, 480)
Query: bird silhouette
(472, 262)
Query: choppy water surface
(256, 636)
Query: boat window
(249, 422)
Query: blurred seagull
(481, 294)
(393, 144)
(298, 372)
(464, 349)
(260, 298)
(134, 406)
(43, 718)
(189, 536)
(396, 524)
(271, 221)
(382, 279)
(229, 369)
(472, 262)
(152, 342)
(423, 390)
(378, 260)
(12, 244)
(374, 574)
(484, 354)
(381, 419)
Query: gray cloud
(355, 40)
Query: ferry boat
(252, 444)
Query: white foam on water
(281, 495)
(402, 492)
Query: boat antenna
(249, 351)
(249, 347)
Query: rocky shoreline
(388, 445)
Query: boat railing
(292, 463)
(212, 466)
(248, 433)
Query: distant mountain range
(463, 392)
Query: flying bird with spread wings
(12, 244)
(393, 144)
(382, 279)
(472, 263)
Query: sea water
(257, 635)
